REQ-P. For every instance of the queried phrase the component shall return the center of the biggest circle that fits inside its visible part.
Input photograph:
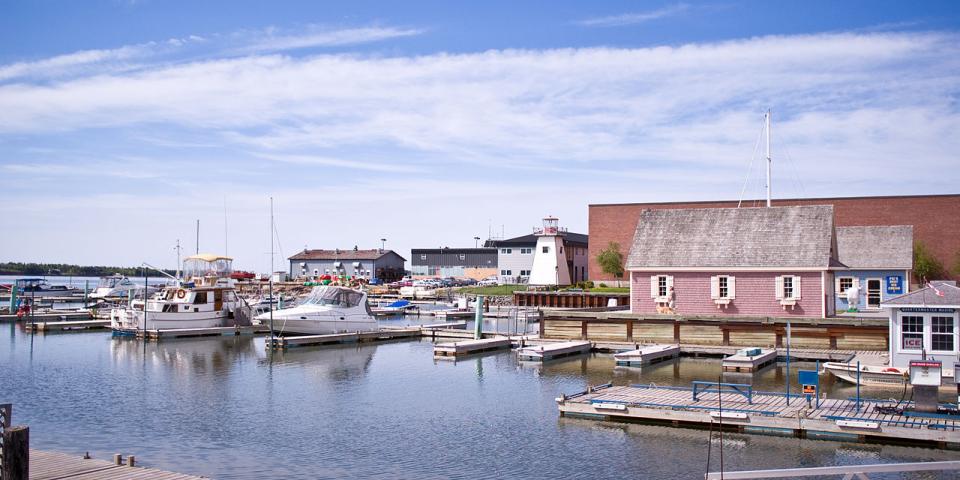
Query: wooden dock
(281, 343)
(761, 413)
(56, 466)
(169, 333)
(743, 363)
(647, 354)
(53, 316)
(444, 314)
(445, 325)
(542, 353)
(468, 347)
(76, 325)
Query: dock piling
(16, 452)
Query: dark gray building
(383, 265)
(454, 262)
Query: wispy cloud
(624, 19)
(271, 41)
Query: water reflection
(333, 362)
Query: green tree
(611, 261)
(925, 266)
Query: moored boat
(326, 309)
(876, 375)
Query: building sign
(894, 285)
(912, 343)
(923, 372)
(926, 310)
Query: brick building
(935, 220)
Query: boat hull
(127, 319)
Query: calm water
(223, 408)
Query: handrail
(849, 471)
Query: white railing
(848, 471)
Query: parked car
(489, 282)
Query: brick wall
(935, 220)
(755, 294)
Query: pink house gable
(755, 294)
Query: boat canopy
(207, 265)
(334, 296)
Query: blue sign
(894, 285)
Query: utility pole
(476, 242)
(769, 161)
(198, 237)
(383, 244)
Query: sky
(123, 122)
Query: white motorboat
(206, 299)
(117, 285)
(877, 375)
(326, 309)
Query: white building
(515, 257)
(925, 322)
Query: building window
(524, 273)
(462, 256)
(912, 332)
(423, 256)
(546, 249)
(526, 251)
(506, 273)
(942, 334)
(506, 251)
(662, 286)
(844, 284)
(788, 288)
(723, 287)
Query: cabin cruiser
(326, 309)
(117, 285)
(38, 287)
(205, 299)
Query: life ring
(181, 293)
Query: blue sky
(429, 123)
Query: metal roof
(949, 296)
(368, 254)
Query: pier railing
(848, 471)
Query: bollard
(131, 461)
(16, 453)
(117, 459)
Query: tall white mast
(769, 161)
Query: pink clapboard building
(773, 261)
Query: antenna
(226, 249)
(177, 248)
(198, 237)
(769, 161)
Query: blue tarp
(399, 304)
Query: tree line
(41, 269)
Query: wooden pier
(56, 466)
(442, 314)
(743, 363)
(542, 353)
(168, 333)
(76, 325)
(53, 316)
(647, 354)
(281, 343)
(761, 413)
(468, 347)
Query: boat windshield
(334, 296)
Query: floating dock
(647, 355)
(54, 465)
(67, 325)
(749, 360)
(281, 343)
(48, 316)
(193, 332)
(767, 413)
(437, 326)
(468, 347)
(453, 314)
(542, 353)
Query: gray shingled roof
(876, 247)
(927, 297)
(774, 237)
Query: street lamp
(476, 241)
(383, 243)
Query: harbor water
(225, 408)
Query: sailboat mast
(271, 273)
(769, 161)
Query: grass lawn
(493, 290)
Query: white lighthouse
(549, 259)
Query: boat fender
(890, 370)
(181, 293)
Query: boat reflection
(334, 362)
(200, 356)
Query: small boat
(206, 299)
(38, 287)
(326, 309)
(877, 375)
(117, 285)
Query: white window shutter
(732, 287)
(796, 288)
(669, 283)
(715, 287)
(836, 286)
(779, 287)
(653, 286)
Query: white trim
(823, 295)
(727, 269)
(866, 293)
(916, 305)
